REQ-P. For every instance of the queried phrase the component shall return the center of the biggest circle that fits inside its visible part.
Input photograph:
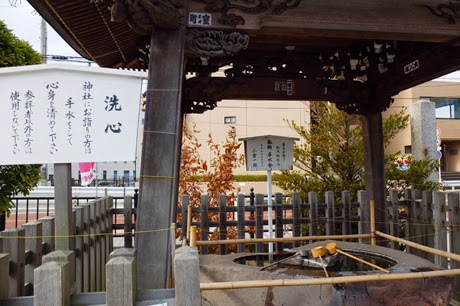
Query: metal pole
(270, 214)
(439, 171)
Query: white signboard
(269, 153)
(63, 114)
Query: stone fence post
(68, 257)
(121, 280)
(14, 244)
(51, 281)
(187, 277)
(4, 275)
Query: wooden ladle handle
(332, 248)
(317, 253)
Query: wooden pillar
(63, 205)
(364, 216)
(160, 158)
(241, 218)
(128, 225)
(374, 165)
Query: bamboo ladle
(318, 252)
(331, 248)
(279, 261)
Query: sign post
(269, 153)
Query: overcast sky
(25, 24)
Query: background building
(446, 95)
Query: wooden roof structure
(383, 47)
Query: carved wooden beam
(203, 93)
(143, 15)
(210, 44)
(411, 20)
(421, 67)
(224, 7)
(449, 11)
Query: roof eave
(56, 25)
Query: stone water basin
(247, 266)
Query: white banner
(64, 114)
(87, 173)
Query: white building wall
(253, 118)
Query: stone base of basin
(406, 292)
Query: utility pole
(43, 40)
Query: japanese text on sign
(269, 153)
(285, 86)
(56, 117)
(199, 19)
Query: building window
(407, 150)
(230, 119)
(115, 174)
(446, 108)
(104, 174)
